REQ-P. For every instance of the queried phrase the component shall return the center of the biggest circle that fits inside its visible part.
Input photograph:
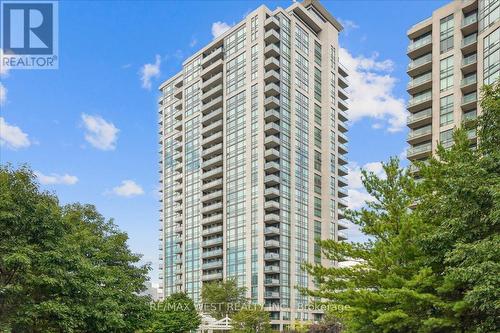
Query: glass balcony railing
(470, 116)
(420, 98)
(420, 132)
(469, 98)
(469, 20)
(471, 59)
(419, 43)
(420, 80)
(419, 116)
(420, 61)
(427, 147)
(471, 79)
(469, 40)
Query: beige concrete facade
(252, 169)
(447, 69)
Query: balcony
(272, 180)
(211, 128)
(212, 69)
(272, 268)
(271, 154)
(469, 43)
(211, 208)
(211, 105)
(178, 93)
(342, 160)
(212, 82)
(178, 198)
(271, 63)
(420, 65)
(212, 230)
(469, 101)
(342, 181)
(216, 218)
(469, 84)
(469, 63)
(271, 282)
(178, 219)
(272, 89)
(212, 242)
(212, 116)
(342, 148)
(271, 116)
(211, 57)
(343, 70)
(211, 277)
(212, 93)
(342, 170)
(211, 254)
(469, 116)
(212, 151)
(342, 115)
(178, 115)
(343, 83)
(212, 264)
(178, 188)
(341, 236)
(342, 104)
(212, 139)
(342, 192)
(420, 151)
(271, 294)
(420, 83)
(272, 76)
(420, 47)
(469, 24)
(211, 185)
(271, 128)
(342, 224)
(420, 101)
(420, 118)
(177, 136)
(272, 50)
(271, 23)
(272, 205)
(272, 193)
(271, 218)
(342, 94)
(177, 249)
(178, 229)
(217, 195)
(212, 162)
(420, 135)
(272, 231)
(178, 105)
(341, 203)
(271, 102)
(271, 36)
(272, 141)
(213, 173)
(271, 167)
(342, 137)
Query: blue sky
(90, 128)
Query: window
(317, 84)
(489, 11)
(254, 61)
(446, 34)
(317, 161)
(317, 184)
(191, 71)
(254, 28)
(317, 207)
(317, 137)
(235, 73)
(192, 99)
(446, 110)
(235, 42)
(446, 137)
(446, 73)
(301, 39)
(302, 72)
(492, 57)
(317, 53)
(317, 114)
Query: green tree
(251, 319)
(221, 298)
(63, 269)
(434, 268)
(176, 314)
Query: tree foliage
(176, 314)
(435, 267)
(221, 298)
(63, 269)
(251, 319)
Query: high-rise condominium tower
(253, 144)
(453, 53)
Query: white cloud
(56, 179)
(128, 188)
(218, 28)
(3, 94)
(348, 25)
(357, 194)
(149, 71)
(12, 136)
(4, 69)
(193, 42)
(371, 91)
(100, 133)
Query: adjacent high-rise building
(453, 53)
(253, 165)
